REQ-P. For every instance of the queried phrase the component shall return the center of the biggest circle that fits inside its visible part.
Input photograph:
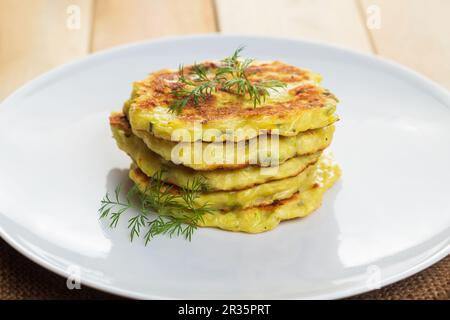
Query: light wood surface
(336, 22)
(35, 37)
(415, 33)
(119, 21)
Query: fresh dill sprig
(178, 214)
(230, 76)
(240, 84)
(201, 87)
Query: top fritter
(211, 101)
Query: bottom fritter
(263, 218)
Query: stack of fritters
(245, 192)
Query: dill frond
(177, 213)
(230, 76)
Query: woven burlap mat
(22, 279)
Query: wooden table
(37, 35)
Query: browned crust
(277, 203)
(157, 91)
(120, 121)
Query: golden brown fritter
(301, 106)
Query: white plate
(388, 217)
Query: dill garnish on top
(229, 76)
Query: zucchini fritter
(215, 180)
(301, 106)
(304, 143)
(258, 219)
(261, 194)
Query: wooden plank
(38, 35)
(416, 34)
(331, 21)
(118, 21)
